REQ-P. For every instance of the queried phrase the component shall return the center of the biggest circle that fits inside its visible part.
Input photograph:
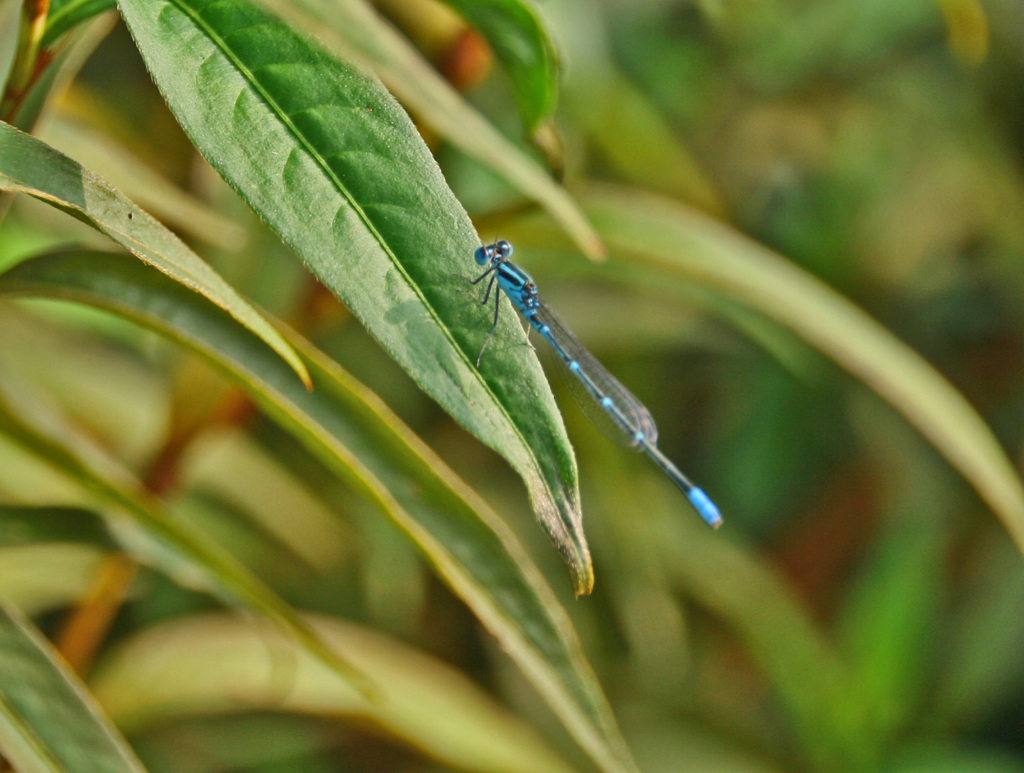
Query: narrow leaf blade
(202, 664)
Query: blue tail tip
(705, 507)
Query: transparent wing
(612, 407)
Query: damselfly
(630, 421)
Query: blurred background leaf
(216, 665)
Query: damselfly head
(493, 253)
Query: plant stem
(83, 630)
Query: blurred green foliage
(861, 610)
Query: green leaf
(142, 524)
(30, 166)
(523, 46)
(206, 664)
(48, 722)
(327, 157)
(355, 30)
(354, 434)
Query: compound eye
(504, 249)
(483, 255)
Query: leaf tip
(595, 249)
(583, 580)
(581, 568)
